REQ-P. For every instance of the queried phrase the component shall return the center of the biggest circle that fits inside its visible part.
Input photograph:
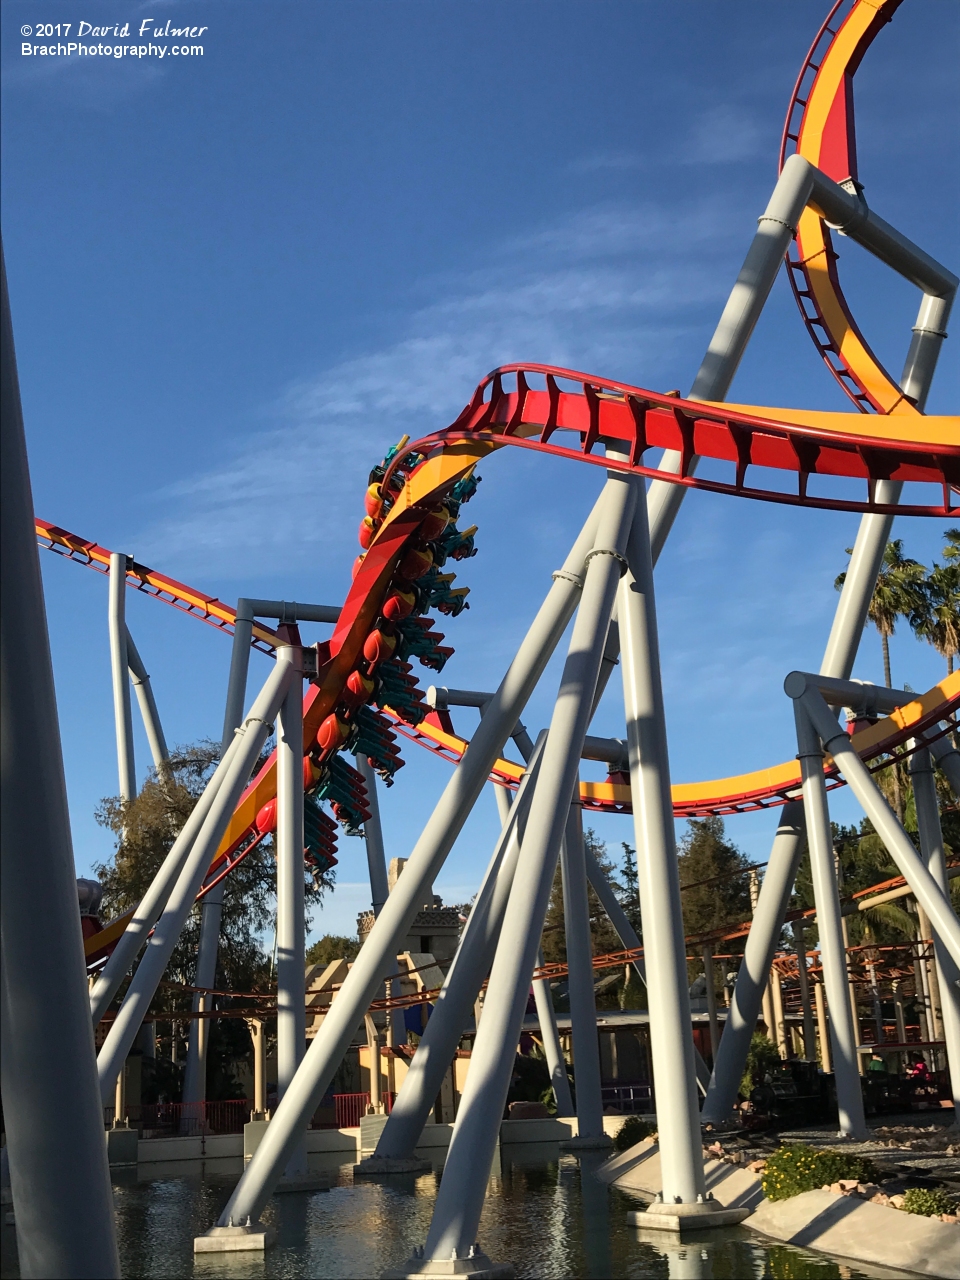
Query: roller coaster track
(812, 451)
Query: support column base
(700, 1216)
(251, 1239)
(375, 1165)
(479, 1267)
(599, 1142)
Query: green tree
(333, 947)
(899, 591)
(145, 829)
(714, 879)
(935, 616)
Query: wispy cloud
(612, 289)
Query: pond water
(550, 1217)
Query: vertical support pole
(671, 1034)
(851, 985)
(932, 850)
(459, 1203)
(583, 1008)
(373, 1048)
(120, 1100)
(833, 956)
(379, 886)
(823, 1031)
(711, 992)
(53, 1112)
(779, 1022)
(291, 965)
(373, 837)
(809, 1034)
(542, 995)
(122, 715)
(255, 1027)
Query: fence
(175, 1119)
(628, 1099)
(343, 1110)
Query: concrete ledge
(862, 1232)
(252, 1239)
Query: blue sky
(236, 279)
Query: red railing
(184, 1119)
(346, 1110)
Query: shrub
(762, 1057)
(928, 1202)
(634, 1130)
(797, 1168)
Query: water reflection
(545, 1212)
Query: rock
(897, 1201)
(867, 1189)
(949, 1217)
(880, 1198)
(757, 1166)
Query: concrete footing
(376, 1165)
(122, 1146)
(253, 1238)
(685, 1217)
(479, 1267)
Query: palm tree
(937, 615)
(897, 594)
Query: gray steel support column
(456, 1214)
(542, 995)
(148, 709)
(948, 758)
(615, 913)
(583, 1007)
(711, 993)
(470, 966)
(291, 965)
(671, 1036)
(444, 825)
(833, 956)
(379, 885)
(928, 893)
(931, 847)
(122, 715)
(373, 837)
(552, 1049)
(239, 666)
(240, 760)
(54, 1122)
